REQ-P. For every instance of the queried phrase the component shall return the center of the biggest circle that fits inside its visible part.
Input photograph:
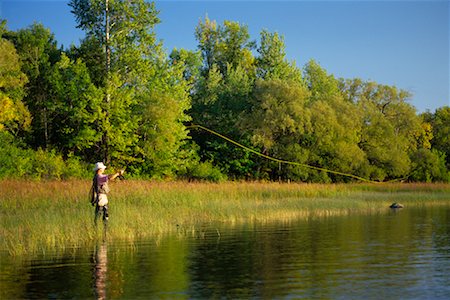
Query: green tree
(224, 45)
(162, 110)
(91, 53)
(14, 115)
(38, 52)
(440, 123)
(124, 30)
(272, 62)
(277, 109)
(222, 91)
(218, 104)
(390, 127)
(428, 166)
(75, 107)
(190, 61)
(146, 92)
(275, 119)
(333, 139)
(321, 85)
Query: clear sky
(401, 43)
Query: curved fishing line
(277, 159)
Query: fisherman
(100, 189)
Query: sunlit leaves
(76, 107)
(13, 113)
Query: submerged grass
(40, 216)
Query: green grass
(56, 215)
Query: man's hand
(118, 174)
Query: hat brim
(101, 167)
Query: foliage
(272, 63)
(162, 114)
(14, 115)
(76, 107)
(38, 52)
(336, 125)
(146, 94)
(119, 97)
(429, 166)
(20, 163)
(440, 124)
(190, 61)
(204, 171)
(390, 127)
(124, 30)
(15, 160)
(224, 46)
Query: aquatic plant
(56, 215)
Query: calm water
(392, 255)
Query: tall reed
(55, 215)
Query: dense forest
(119, 97)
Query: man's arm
(114, 176)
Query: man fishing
(100, 189)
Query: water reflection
(100, 270)
(394, 254)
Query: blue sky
(401, 43)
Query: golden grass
(38, 216)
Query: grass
(56, 215)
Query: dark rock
(396, 205)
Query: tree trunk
(106, 157)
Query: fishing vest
(100, 184)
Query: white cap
(99, 166)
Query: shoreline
(36, 216)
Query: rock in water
(396, 205)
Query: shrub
(429, 166)
(17, 162)
(14, 161)
(204, 171)
(75, 168)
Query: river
(391, 254)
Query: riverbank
(37, 216)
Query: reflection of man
(100, 271)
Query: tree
(190, 61)
(76, 104)
(277, 109)
(218, 104)
(38, 52)
(428, 166)
(336, 130)
(390, 127)
(222, 91)
(271, 62)
(321, 85)
(146, 93)
(14, 115)
(440, 123)
(275, 119)
(91, 53)
(333, 140)
(162, 111)
(228, 71)
(223, 45)
(124, 30)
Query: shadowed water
(395, 254)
